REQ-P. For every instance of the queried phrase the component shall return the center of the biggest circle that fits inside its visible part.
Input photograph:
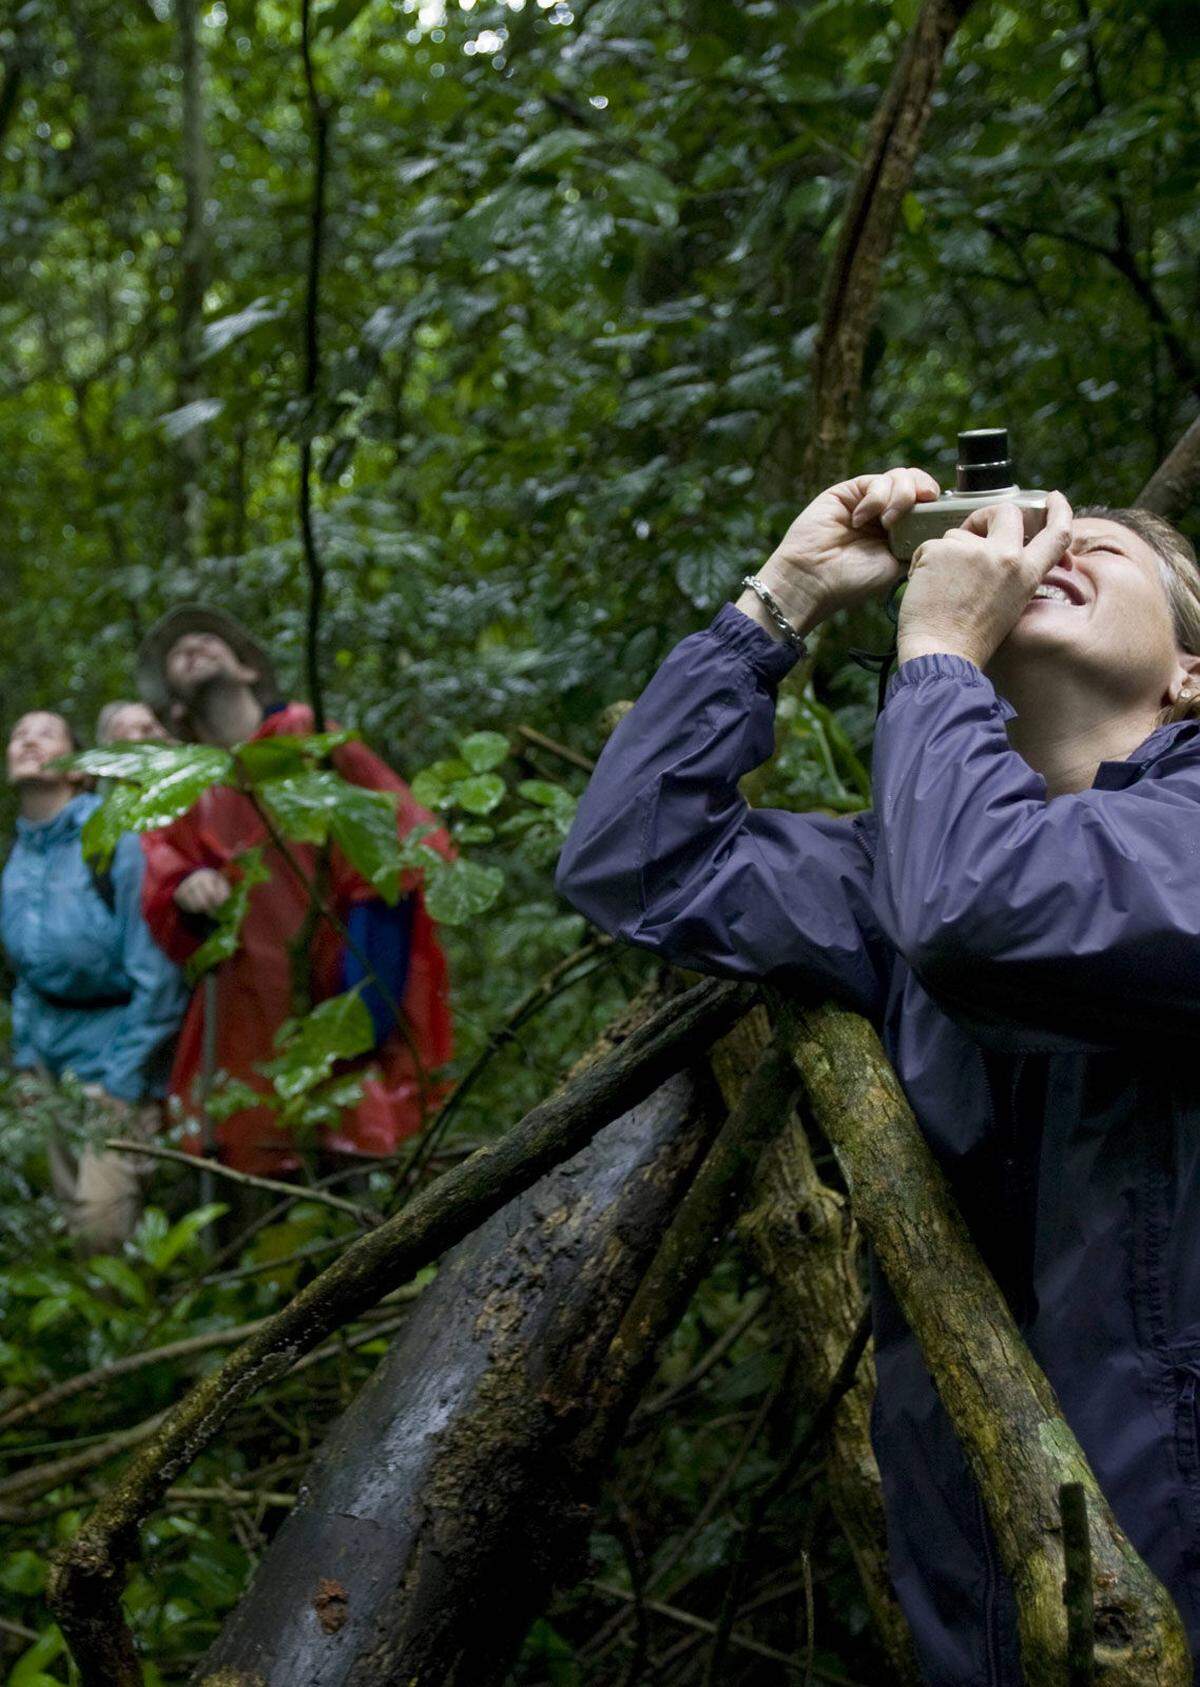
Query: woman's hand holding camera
(836, 552)
(966, 590)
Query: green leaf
(163, 1252)
(303, 804)
(706, 574)
(461, 890)
(48, 1311)
(263, 759)
(118, 1274)
(650, 193)
(553, 149)
(178, 424)
(547, 795)
(153, 785)
(338, 1029)
(364, 826)
(223, 940)
(230, 1096)
(913, 212)
(23, 1572)
(481, 794)
(28, 1671)
(483, 751)
(337, 18)
(434, 785)
(226, 329)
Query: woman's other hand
(202, 892)
(836, 552)
(967, 589)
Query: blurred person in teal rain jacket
(94, 994)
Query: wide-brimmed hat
(198, 618)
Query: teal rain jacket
(94, 995)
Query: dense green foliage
(569, 290)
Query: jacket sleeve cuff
(922, 672)
(769, 658)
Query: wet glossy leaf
(338, 1029)
(461, 890)
(483, 751)
(153, 784)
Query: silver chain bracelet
(795, 640)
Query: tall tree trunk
(451, 1498)
(187, 510)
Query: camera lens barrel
(983, 460)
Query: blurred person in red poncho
(203, 675)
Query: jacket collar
(67, 823)
(1111, 775)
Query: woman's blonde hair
(1180, 576)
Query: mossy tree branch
(1003, 1410)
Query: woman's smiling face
(37, 738)
(1102, 613)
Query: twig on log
(229, 1496)
(86, 1579)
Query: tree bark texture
(1171, 490)
(87, 1578)
(802, 1237)
(850, 294)
(1002, 1407)
(449, 1500)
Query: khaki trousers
(101, 1192)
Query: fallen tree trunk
(448, 1487)
(87, 1578)
(1002, 1407)
(535, 1342)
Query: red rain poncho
(254, 987)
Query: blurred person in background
(94, 996)
(128, 722)
(202, 673)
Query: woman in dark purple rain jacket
(1019, 915)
